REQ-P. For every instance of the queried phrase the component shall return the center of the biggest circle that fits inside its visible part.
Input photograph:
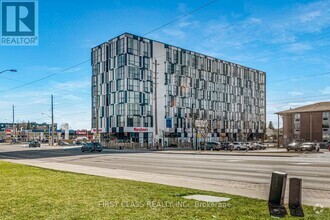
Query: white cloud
(325, 91)
(309, 16)
(72, 85)
(298, 47)
(295, 93)
(71, 98)
(47, 69)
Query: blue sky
(287, 39)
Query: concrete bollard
(295, 195)
(276, 194)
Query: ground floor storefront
(146, 138)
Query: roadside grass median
(28, 192)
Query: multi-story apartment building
(147, 91)
(307, 123)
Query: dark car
(2, 141)
(34, 144)
(227, 146)
(293, 146)
(212, 145)
(94, 146)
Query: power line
(300, 77)
(179, 18)
(46, 77)
(162, 26)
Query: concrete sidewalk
(252, 190)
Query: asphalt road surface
(247, 175)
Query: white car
(309, 146)
(239, 146)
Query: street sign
(168, 122)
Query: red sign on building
(140, 129)
(81, 132)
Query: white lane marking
(235, 160)
(300, 163)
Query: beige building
(307, 123)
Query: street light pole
(52, 107)
(10, 70)
(48, 127)
(14, 129)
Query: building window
(134, 72)
(133, 109)
(147, 86)
(133, 60)
(326, 115)
(120, 73)
(133, 85)
(120, 109)
(133, 121)
(121, 97)
(120, 121)
(133, 97)
(146, 98)
(133, 46)
(120, 85)
(148, 110)
(146, 62)
(120, 46)
(121, 60)
(149, 75)
(147, 121)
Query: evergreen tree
(271, 126)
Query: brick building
(307, 123)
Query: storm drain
(205, 198)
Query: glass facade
(231, 97)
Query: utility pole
(14, 129)
(155, 105)
(278, 130)
(52, 109)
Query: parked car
(251, 146)
(324, 144)
(212, 145)
(239, 146)
(329, 147)
(227, 146)
(293, 146)
(34, 144)
(2, 141)
(309, 146)
(260, 146)
(94, 146)
(63, 143)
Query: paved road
(236, 174)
